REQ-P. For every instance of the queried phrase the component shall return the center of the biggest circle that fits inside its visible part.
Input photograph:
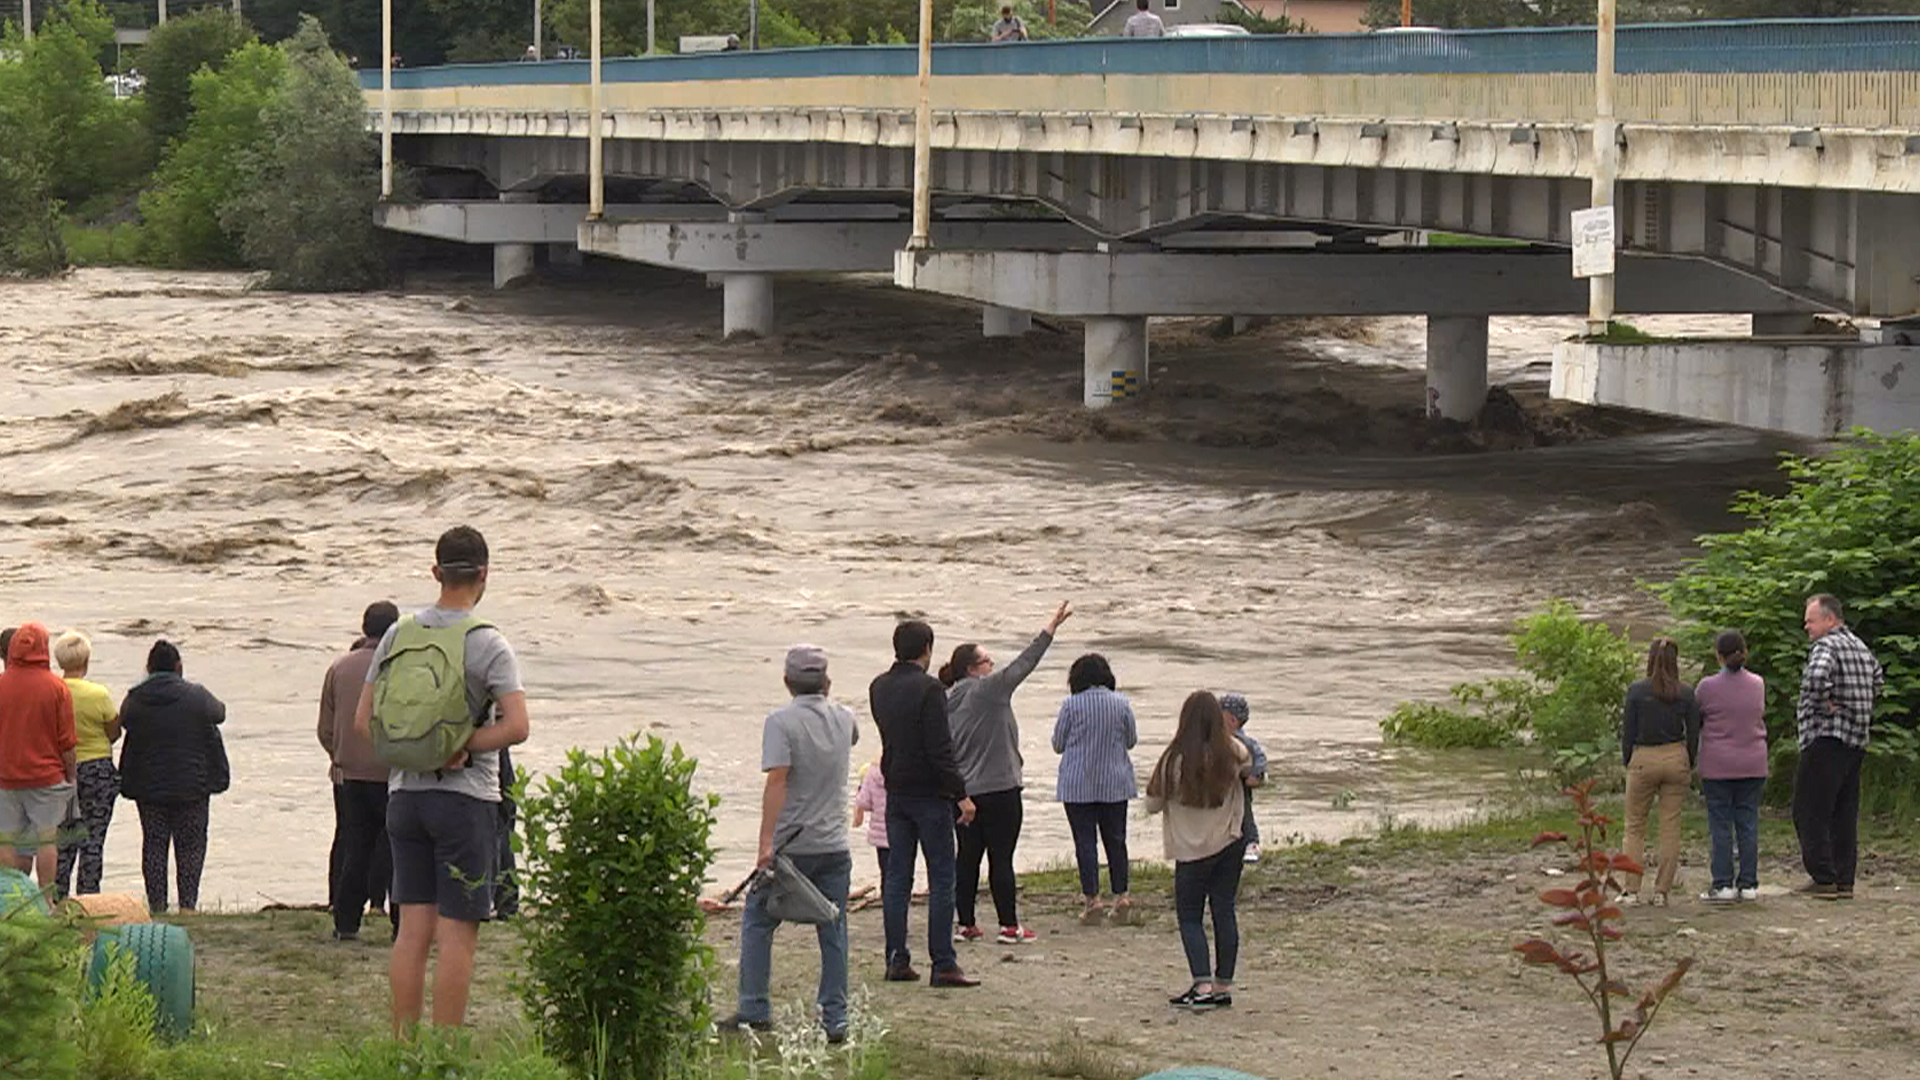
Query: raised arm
(1009, 678)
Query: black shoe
(1194, 998)
(735, 1023)
(1217, 999)
(1843, 892)
(902, 973)
(835, 1038)
(346, 935)
(1818, 891)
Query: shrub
(616, 971)
(1567, 704)
(307, 191)
(115, 1035)
(38, 992)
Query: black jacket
(916, 755)
(169, 755)
(1647, 720)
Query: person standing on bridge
(1009, 27)
(1144, 23)
(986, 744)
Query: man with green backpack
(442, 699)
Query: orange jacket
(36, 715)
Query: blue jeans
(1198, 885)
(915, 821)
(1733, 821)
(832, 874)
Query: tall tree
(175, 53)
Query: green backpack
(420, 716)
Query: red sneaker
(1014, 935)
(968, 933)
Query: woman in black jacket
(172, 762)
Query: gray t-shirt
(492, 673)
(813, 738)
(1144, 24)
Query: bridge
(1767, 167)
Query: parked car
(1207, 29)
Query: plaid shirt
(1837, 690)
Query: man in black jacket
(923, 789)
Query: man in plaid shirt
(1835, 713)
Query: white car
(1206, 29)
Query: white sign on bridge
(1593, 240)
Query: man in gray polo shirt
(444, 825)
(805, 749)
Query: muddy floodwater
(242, 472)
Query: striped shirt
(1092, 736)
(1837, 689)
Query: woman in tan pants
(1659, 740)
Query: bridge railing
(1862, 71)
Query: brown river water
(242, 472)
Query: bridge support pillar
(747, 305)
(997, 321)
(511, 262)
(1116, 359)
(1456, 366)
(565, 255)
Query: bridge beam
(756, 244)
(1403, 282)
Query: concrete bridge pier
(1001, 322)
(746, 305)
(566, 255)
(1456, 366)
(511, 262)
(1116, 359)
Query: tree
(974, 21)
(205, 169)
(624, 24)
(307, 192)
(174, 54)
(89, 144)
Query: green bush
(124, 244)
(115, 1035)
(616, 849)
(1567, 704)
(1848, 524)
(39, 993)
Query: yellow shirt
(92, 711)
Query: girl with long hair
(1196, 785)
(1659, 742)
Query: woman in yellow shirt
(96, 722)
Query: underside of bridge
(1114, 240)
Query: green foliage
(624, 24)
(124, 244)
(306, 195)
(616, 849)
(1484, 715)
(175, 54)
(205, 170)
(436, 1053)
(37, 992)
(974, 21)
(1257, 23)
(1848, 524)
(1576, 675)
(115, 1035)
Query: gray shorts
(30, 818)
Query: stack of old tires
(18, 889)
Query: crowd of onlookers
(426, 837)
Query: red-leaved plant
(1592, 907)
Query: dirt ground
(1387, 972)
(1377, 959)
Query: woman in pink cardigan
(1733, 768)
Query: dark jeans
(1097, 824)
(1249, 829)
(506, 885)
(917, 823)
(1198, 885)
(1826, 810)
(994, 833)
(179, 827)
(366, 859)
(881, 855)
(1733, 823)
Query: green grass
(1458, 240)
(1623, 333)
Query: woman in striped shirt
(1092, 736)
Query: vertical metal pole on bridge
(163, 12)
(26, 19)
(596, 178)
(539, 37)
(649, 27)
(1606, 160)
(923, 139)
(386, 99)
(1406, 12)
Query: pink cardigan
(1733, 726)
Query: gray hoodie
(986, 737)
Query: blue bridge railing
(1742, 47)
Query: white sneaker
(1724, 895)
(1252, 855)
(1627, 899)
(1748, 895)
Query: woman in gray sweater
(986, 745)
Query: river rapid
(242, 472)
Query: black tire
(17, 888)
(162, 961)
